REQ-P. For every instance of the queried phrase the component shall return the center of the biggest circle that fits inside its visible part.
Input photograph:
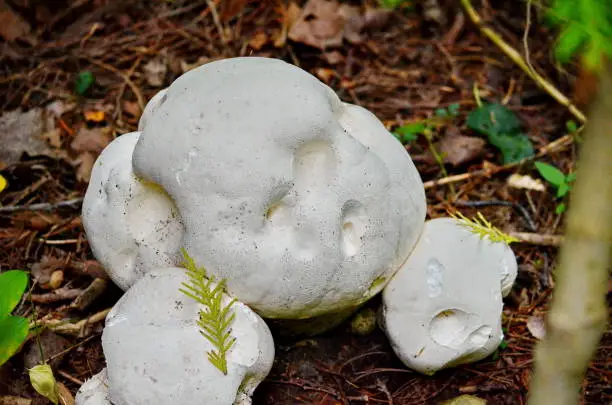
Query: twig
(59, 294)
(87, 296)
(213, 11)
(64, 326)
(128, 81)
(69, 377)
(518, 207)
(42, 206)
(538, 239)
(518, 59)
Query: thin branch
(74, 203)
(518, 59)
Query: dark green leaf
(441, 112)
(12, 285)
(494, 119)
(503, 345)
(83, 82)
(514, 148)
(13, 331)
(562, 190)
(571, 126)
(453, 109)
(551, 174)
(560, 209)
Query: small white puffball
(94, 391)
(305, 204)
(130, 224)
(156, 354)
(444, 306)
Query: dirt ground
(402, 65)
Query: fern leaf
(215, 318)
(483, 228)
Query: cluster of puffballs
(307, 206)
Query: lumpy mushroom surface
(304, 204)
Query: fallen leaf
(354, 22)
(230, 9)
(3, 183)
(155, 71)
(10, 400)
(376, 18)
(536, 326)
(39, 221)
(64, 394)
(320, 25)
(12, 25)
(43, 381)
(41, 271)
(21, 132)
(325, 74)
(91, 139)
(85, 163)
(259, 40)
(458, 149)
(289, 15)
(333, 57)
(132, 108)
(94, 116)
(465, 400)
(51, 344)
(525, 182)
(53, 138)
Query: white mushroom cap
(156, 355)
(304, 204)
(131, 225)
(444, 306)
(94, 391)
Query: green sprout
(483, 228)
(559, 180)
(215, 318)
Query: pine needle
(483, 228)
(214, 319)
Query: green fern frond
(483, 228)
(215, 318)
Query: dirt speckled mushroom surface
(305, 204)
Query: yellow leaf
(94, 116)
(2, 183)
(43, 381)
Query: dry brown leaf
(53, 138)
(325, 74)
(91, 139)
(259, 40)
(458, 149)
(64, 394)
(536, 326)
(85, 163)
(155, 71)
(320, 25)
(38, 221)
(354, 23)
(131, 108)
(289, 16)
(21, 132)
(230, 9)
(12, 25)
(376, 18)
(333, 57)
(11, 400)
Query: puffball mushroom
(443, 307)
(306, 205)
(156, 354)
(131, 225)
(94, 391)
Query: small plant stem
(579, 312)
(439, 160)
(518, 59)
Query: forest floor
(403, 65)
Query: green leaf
(560, 209)
(453, 109)
(409, 132)
(12, 285)
(563, 189)
(551, 174)
(83, 82)
(43, 381)
(571, 126)
(514, 148)
(13, 331)
(570, 178)
(441, 112)
(494, 119)
(570, 41)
